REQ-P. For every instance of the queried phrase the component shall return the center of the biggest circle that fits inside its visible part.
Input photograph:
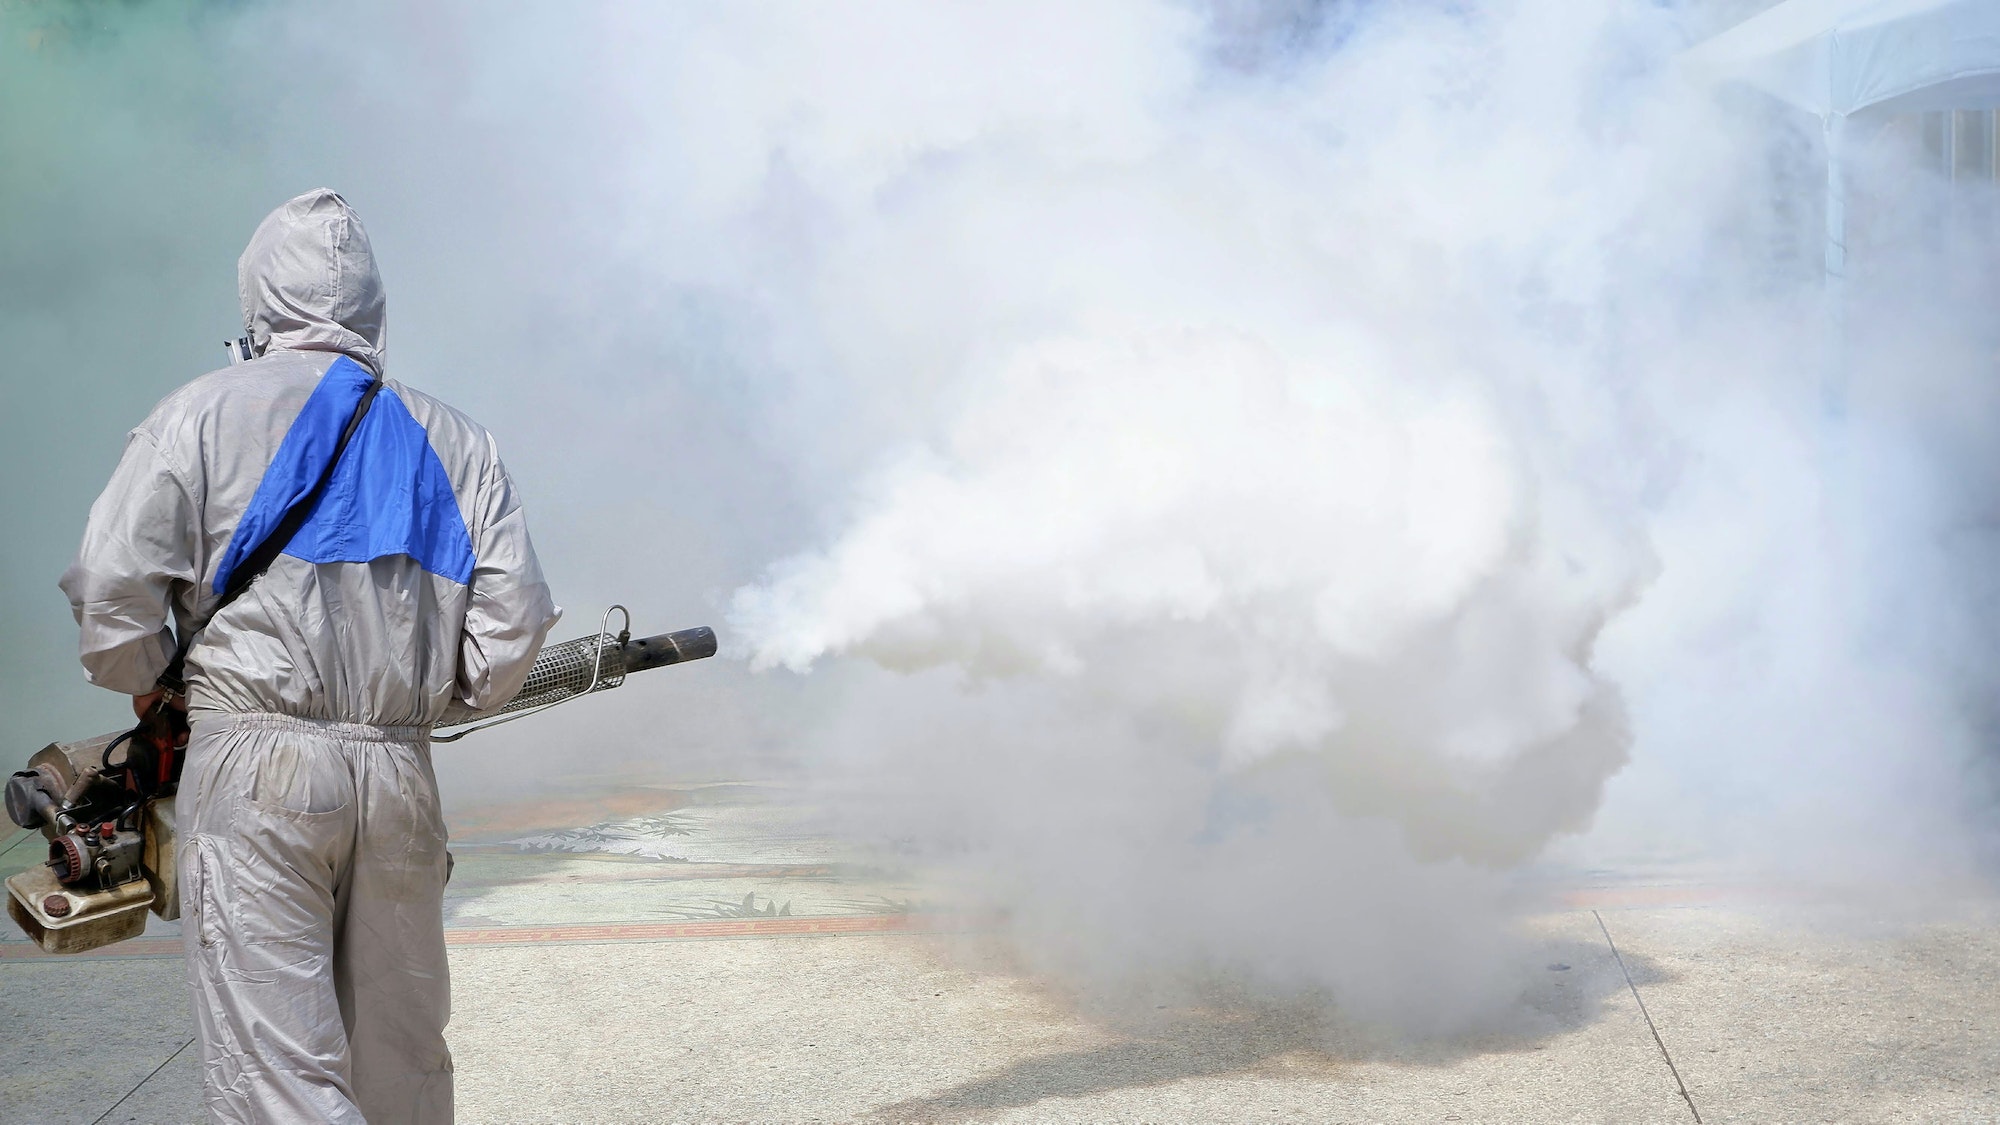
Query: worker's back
(411, 581)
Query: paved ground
(702, 954)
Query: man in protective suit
(312, 853)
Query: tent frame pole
(1833, 384)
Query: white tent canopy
(1840, 57)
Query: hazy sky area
(1153, 452)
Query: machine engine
(106, 806)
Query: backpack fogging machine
(106, 804)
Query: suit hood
(308, 282)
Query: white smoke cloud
(1255, 502)
(1280, 462)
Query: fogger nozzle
(641, 653)
(594, 663)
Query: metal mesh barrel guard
(564, 671)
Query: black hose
(104, 759)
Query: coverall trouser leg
(312, 884)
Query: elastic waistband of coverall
(332, 729)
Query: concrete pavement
(709, 955)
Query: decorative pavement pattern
(723, 860)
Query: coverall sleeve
(138, 545)
(510, 611)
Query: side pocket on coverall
(199, 896)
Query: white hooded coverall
(312, 853)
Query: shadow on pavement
(1291, 1040)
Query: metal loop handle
(597, 678)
